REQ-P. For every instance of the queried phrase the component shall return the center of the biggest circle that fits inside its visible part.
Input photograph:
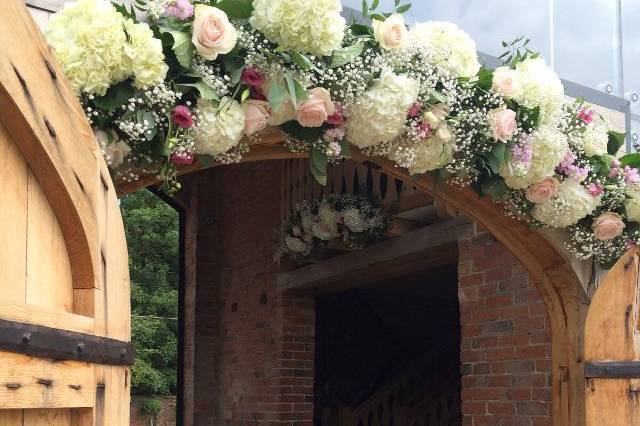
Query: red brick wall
(505, 347)
(254, 345)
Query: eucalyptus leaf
(292, 88)
(318, 161)
(403, 8)
(182, 46)
(203, 89)
(276, 94)
(303, 62)
(346, 54)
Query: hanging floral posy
(202, 79)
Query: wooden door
(612, 347)
(64, 283)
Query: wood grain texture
(612, 334)
(47, 123)
(27, 375)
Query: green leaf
(361, 30)
(485, 78)
(116, 96)
(396, 3)
(292, 88)
(403, 8)
(318, 161)
(236, 9)
(632, 160)
(276, 94)
(182, 46)
(141, 117)
(495, 188)
(365, 9)
(345, 148)
(496, 157)
(302, 61)
(378, 17)
(346, 54)
(204, 90)
(616, 140)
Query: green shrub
(152, 406)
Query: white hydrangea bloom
(594, 140)
(455, 49)
(380, 114)
(88, 39)
(632, 205)
(548, 148)
(143, 55)
(431, 154)
(314, 27)
(354, 220)
(218, 131)
(539, 86)
(573, 203)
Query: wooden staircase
(427, 393)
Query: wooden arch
(549, 270)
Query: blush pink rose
(213, 34)
(505, 82)
(503, 123)
(607, 226)
(316, 109)
(256, 114)
(543, 191)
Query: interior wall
(254, 346)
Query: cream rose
(256, 114)
(607, 226)
(506, 82)
(213, 34)
(543, 191)
(315, 110)
(391, 33)
(503, 123)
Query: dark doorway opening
(389, 353)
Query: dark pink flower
(586, 115)
(631, 244)
(415, 109)
(182, 116)
(424, 130)
(252, 77)
(257, 94)
(181, 9)
(337, 118)
(595, 189)
(182, 159)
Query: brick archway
(549, 271)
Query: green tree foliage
(151, 227)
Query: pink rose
(607, 226)
(186, 158)
(503, 124)
(252, 77)
(182, 116)
(543, 191)
(595, 189)
(256, 114)
(505, 81)
(213, 34)
(316, 109)
(391, 33)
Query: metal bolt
(123, 352)
(80, 347)
(26, 338)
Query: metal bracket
(612, 370)
(46, 342)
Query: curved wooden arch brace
(42, 114)
(549, 270)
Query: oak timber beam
(427, 248)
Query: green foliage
(116, 96)
(152, 406)
(616, 140)
(151, 228)
(181, 45)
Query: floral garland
(338, 220)
(204, 78)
